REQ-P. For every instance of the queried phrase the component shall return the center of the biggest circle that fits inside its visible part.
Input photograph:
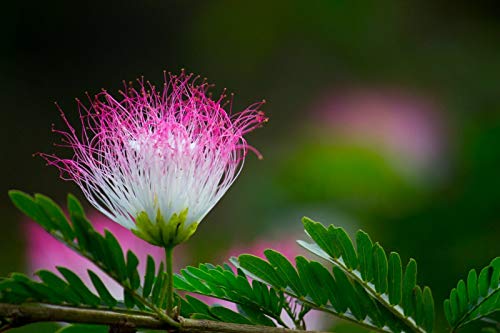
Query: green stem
(169, 284)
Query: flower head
(157, 160)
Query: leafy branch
(363, 286)
(67, 297)
(380, 277)
(360, 283)
(104, 251)
(476, 298)
(256, 300)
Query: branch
(20, 315)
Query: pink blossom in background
(46, 252)
(409, 127)
(286, 246)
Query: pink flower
(409, 128)
(286, 246)
(154, 160)
(45, 252)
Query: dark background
(441, 59)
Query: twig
(20, 315)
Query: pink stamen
(150, 149)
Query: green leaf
(261, 269)
(53, 290)
(462, 296)
(132, 273)
(80, 223)
(149, 277)
(180, 283)
(348, 293)
(429, 312)
(495, 276)
(409, 283)
(395, 277)
(329, 287)
(228, 316)
(365, 250)
(76, 283)
(255, 316)
(160, 279)
(380, 268)
(81, 234)
(472, 287)
(196, 283)
(347, 248)
(28, 206)
(197, 306)
(455, 310)
(308, 275)
(116, 252)
(60, 287)
(371, 308)
(38, 291)
(103, 292)
(484, 280)
(315, 249)
(128, 298)
(285, 269)
(260, 291)
(320, 236)
(56, 215)
(450, 316)
(211, 274)
(495, 263)
(101, 254)
(74, 206)
(418, 304)
(14, 292)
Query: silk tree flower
(45, 252)
(155, 160)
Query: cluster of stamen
(158, 151)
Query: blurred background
(384, 115)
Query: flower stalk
(169, 251)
